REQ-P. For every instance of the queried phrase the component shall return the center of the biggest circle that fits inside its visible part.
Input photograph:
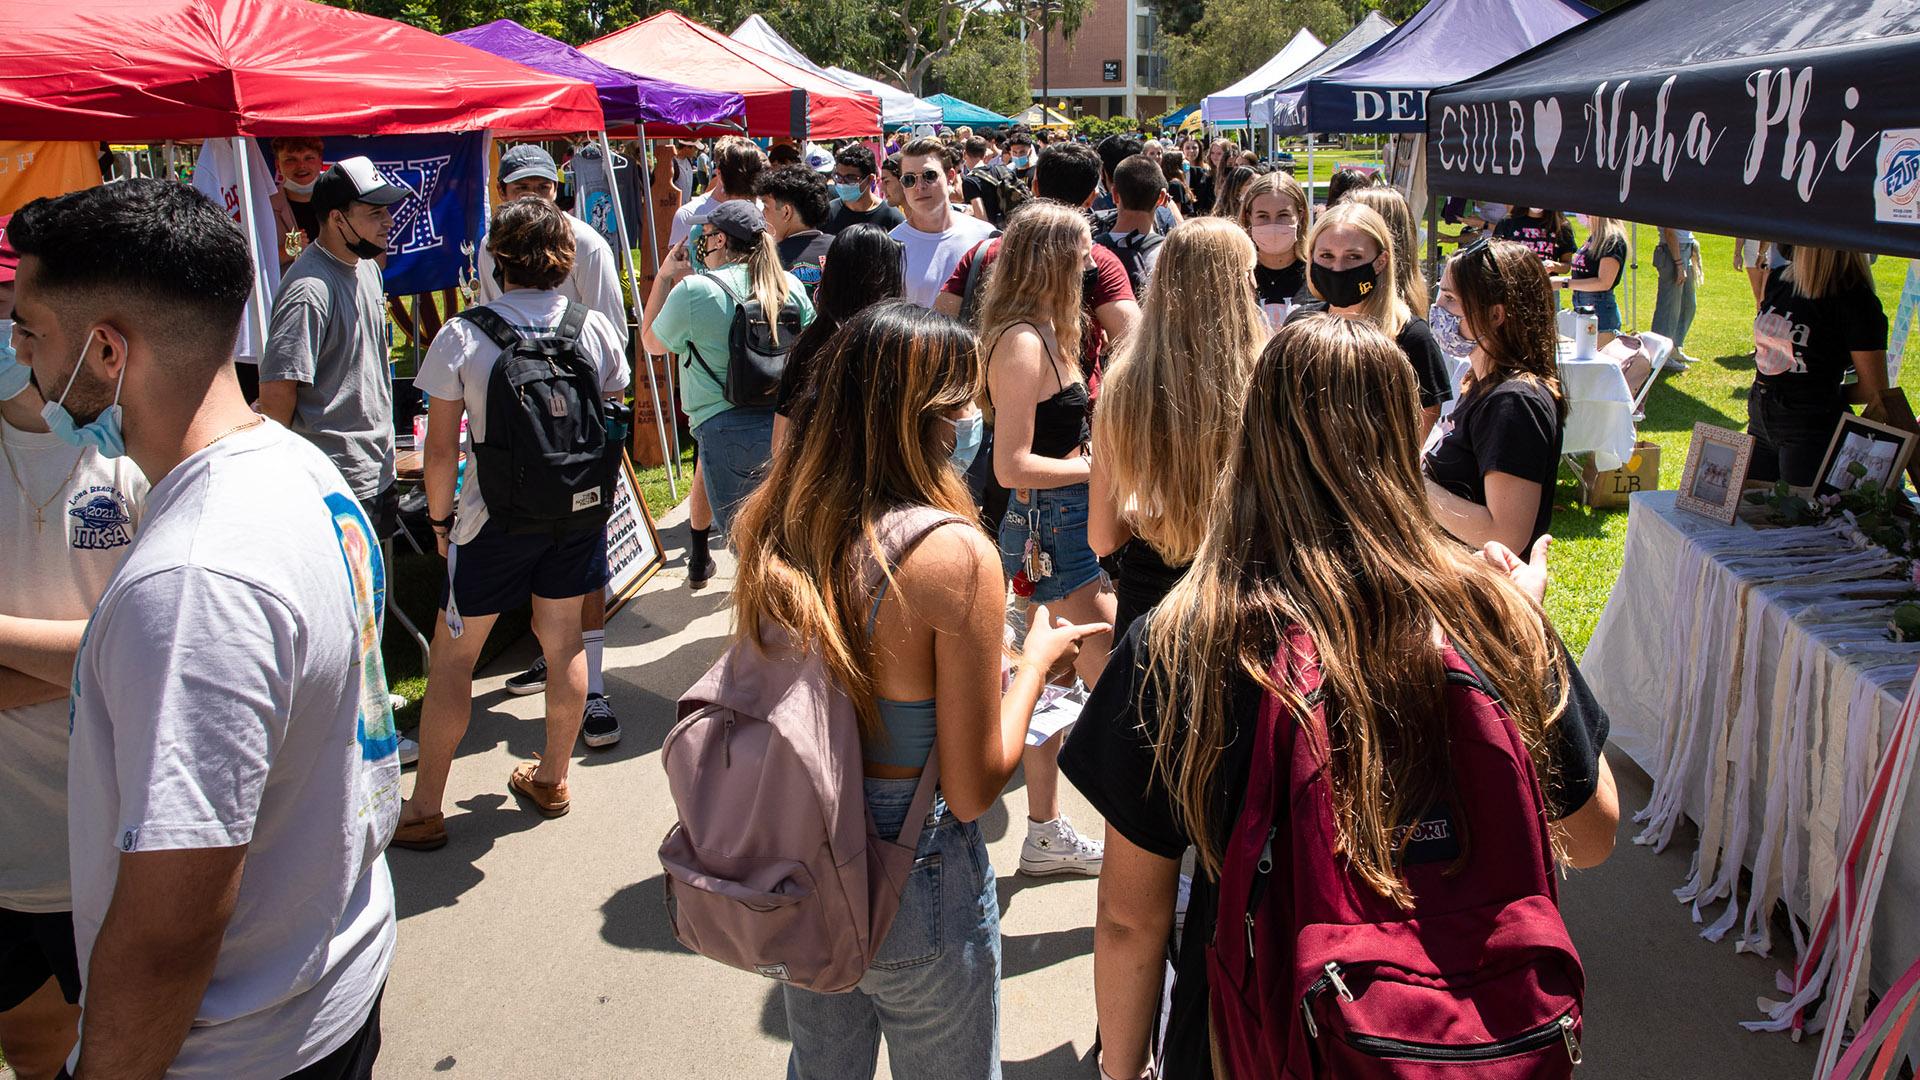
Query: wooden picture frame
(1717, 463)
(1881, 449)
(634, 553)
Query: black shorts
(33, 949)
(353, 1060)
(383, 512)
(499, 571)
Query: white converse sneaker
(1055, 847)
(409, 751)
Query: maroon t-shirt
(1104, 284)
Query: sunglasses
(929, 176)
(1474, 248)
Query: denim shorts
(735, 447)
(934, 988)
(1605, 306)
(1058, 518)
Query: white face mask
(298, 189)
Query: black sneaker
(531, 681)
(699, 568)
(599, 727)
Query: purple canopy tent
(625, 98)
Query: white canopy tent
(1229, 106)
(896, 105)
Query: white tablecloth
(1748, 672)
(1599, 408)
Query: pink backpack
(773, 866)
(1313, 974)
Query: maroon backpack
(1312, 973)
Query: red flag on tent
(137, 70)
(782, 100)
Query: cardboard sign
(633, 544)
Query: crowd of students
(1151, 421)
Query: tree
(1236, 36)
(990, 67)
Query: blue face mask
(849, 192)
(1022, 161)
(967, 432)
(14, 375)
(1447, 333)
(103, 432)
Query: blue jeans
(934, 987)
(735, 447)
(1673, 305)
(1602, 304)
(1058, 518)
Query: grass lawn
(1588, 544)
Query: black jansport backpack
(1132, 250)
(756, 357)
(1009, 193)
(546, 464)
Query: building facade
(1112, 66)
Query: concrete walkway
(541, 948)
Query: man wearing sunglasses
(935, 237)
(857, 198)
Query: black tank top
(1060, 423)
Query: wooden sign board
(633, 544)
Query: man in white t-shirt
(489, 568)
(232, 777)
(934, 236)
(737, 166)
(67, 517)
(527, 171)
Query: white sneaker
(409, 751)
(1055, 847)
(396, 702)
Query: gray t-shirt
(329, 333)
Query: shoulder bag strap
(490, 323)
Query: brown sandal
(426, 834)
(550, 799)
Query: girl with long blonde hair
(1595, 272)
(1320, 524)
(1273, 210)
(868, 458)
(1386, 200)
(1031, 324)
(1354, 271)
(1170, 410)
(1819, 315)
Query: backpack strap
(490, 323)
(572, 323)
(694, 350)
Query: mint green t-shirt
(699, 313)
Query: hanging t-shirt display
(216, 174)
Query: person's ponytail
(770, 282)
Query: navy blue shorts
(499, 571)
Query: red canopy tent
(782, 100)
(140, 70)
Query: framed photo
(633, 544)
(1717, 463)
(1862, 452)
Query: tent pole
(257, 301)
(1309, 179)
(173, 173)
(639, 308)
(653, 247)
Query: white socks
(595, 641)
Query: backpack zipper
(1329, 980)
(726, 742)
(1263, 868)
(1560, 1030)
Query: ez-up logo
(1903, 174)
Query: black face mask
(1345, 288)
(361, 247)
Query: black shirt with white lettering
(1804, 347)
(1537, 233)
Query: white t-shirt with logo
(929, 258)
(459, 364)
(230, 691)
(54, 571)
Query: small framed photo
(1717, 463)
(1862, 452)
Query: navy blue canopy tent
(1385, 88)
(1792, 120)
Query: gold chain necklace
(234, 430)
(39, 510)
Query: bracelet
(441, 523)
(1101, 1064)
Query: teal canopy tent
(955, 112)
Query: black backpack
(755, 357)
(1001, 192)
(1131, 249)
(547, 464)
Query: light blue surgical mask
(1447, 333)
(1022, 161)
(103, 433)
(849, 193)
(14, 375)
(967, 433)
